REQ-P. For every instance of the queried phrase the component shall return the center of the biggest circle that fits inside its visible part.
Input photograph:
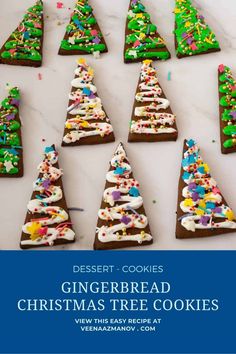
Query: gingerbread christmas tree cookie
(24, 46)
(192, 34)
(47, 222)
(11, 155)
(87, 122)
(227, 109)
(202, 210)
(152, 118)
(122, 221)
(142, 41)
(83, 34)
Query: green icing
(228, 89)
(6, 156)
(226, 116)
(230, 130)
(9, 136)
(82, 33)
(229, 143)
(9, 139)
(25, 42)
(86, 48)
(144, 41)
(11, 126)
(193, 35)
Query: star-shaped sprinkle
(8, 165)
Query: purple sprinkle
(204, 220)
(116, 195)
(92, 95)
(125, 219)
(10, 116)
(233, 114)
(134, 2)
(217, 210)
(192, 186)
(195, 196)
(201, 17)
(15, 102)
(46, 184)
(96, 40)
(184, 34)
(189, 40)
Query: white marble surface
(194, 99)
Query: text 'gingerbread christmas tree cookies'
(192, 35)
(11, 154)
(227, 109)
(142, 41)
(121, 219)
(83, 35)
(152, 118)
(202, 210)
(47, 222)
(87, 122)
(24, 46)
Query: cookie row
(122, 221)
(87, 122)
(83, 35)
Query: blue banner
(118, 302)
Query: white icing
(96, 129)
(195, 211)
(53, 214)
(85, 107)
(149, 92)
(123, 203)
(51, 236)
(189, 224)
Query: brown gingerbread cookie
(47, 222)
(152, 118)
(11, 151)
(142, 40)
(83, 34)
(86, 122)
(202, 210)
(122, 221)
(227, 109)
(25, 45)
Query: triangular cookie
(202, 209)
(122, 221)
(25, 44)
(192, 34)
(83, 34)
(11, 153)
(142, 41)
(47, 222)
(152, 118)
(227, 109)
(86, 122)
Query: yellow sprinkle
(81, 61)
(84, 124)
(188, 202)
(202, 204)
(199, 212)
(147, 62)
(230, 215)
(188, 24)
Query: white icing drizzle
(85, 107)
(39, 229)
(154, 123)
(202, 189)
(123, 204)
